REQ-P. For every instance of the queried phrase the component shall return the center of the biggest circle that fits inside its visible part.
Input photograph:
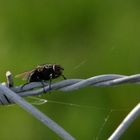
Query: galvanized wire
(8, 95)
(128, 120)
(37, 88)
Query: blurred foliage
(87, 38)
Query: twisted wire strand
(36, 88)
(10, 94)
(61, 132)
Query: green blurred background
(87, 38)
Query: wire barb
(9, 78)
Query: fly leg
(50, 81)
(43, 86)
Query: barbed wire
(12, 94)
(37, 88)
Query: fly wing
(24, 75)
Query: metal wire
(128, 120)
(36, 88)
(8, 95)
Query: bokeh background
(87, 38)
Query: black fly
(41, 73)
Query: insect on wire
(44, 72)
